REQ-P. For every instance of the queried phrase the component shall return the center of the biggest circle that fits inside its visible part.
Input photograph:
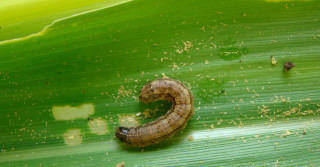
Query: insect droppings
(288, 65)
(167, 125)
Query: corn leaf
(69, 77)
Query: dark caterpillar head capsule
(121, 133)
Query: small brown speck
(288, 65)
(304, 132)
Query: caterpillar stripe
(167, 125)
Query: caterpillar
(167, 125)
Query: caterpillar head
(121, 133)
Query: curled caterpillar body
(165, 126)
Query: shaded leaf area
(23, 18)
(248, 111)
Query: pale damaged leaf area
(73, 137)
(71, 113)
(128, 121)
(98, 126)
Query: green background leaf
(248, 111)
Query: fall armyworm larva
(167, 125)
